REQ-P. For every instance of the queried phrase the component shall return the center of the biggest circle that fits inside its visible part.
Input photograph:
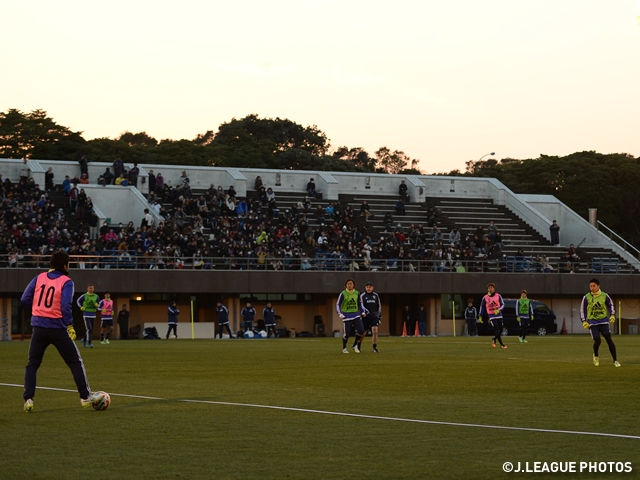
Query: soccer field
(422, 408)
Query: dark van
(544, 320)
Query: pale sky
(443, 81)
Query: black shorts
(106, 323)
(356, 322)
(370, 321)
(597, 330)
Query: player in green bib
(350, 311)
(596, 312)
(524, 314)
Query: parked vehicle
(543, 323)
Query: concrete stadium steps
(465, 214)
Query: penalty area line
(358, 415)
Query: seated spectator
(242, 209)
(122, 181)
(329, 211)
(232, 192)
(270, 194)
(400, 207)
(455, 237)
(311, 188)
(84, 180)
(572, 254)
(258, 183)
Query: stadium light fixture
(487, 154)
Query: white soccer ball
(172, 337)
(248, 334)
(262, 334)
(103, 401)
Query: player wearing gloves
(49, 296)
(372, 307)
(88, 303)
(596, 312)
(492, 306)
(351, 312)
(524, 312)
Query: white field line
(357, 415)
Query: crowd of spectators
(216, 229)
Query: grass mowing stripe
(357, 415)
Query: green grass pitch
(549, 383)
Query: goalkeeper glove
(612, 319)
(480, 320)
(518, 319)
(71, 331)
(82, 308)
(585, 324)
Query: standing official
(50, 296)
(223, 319)
(372, 307)
(269, 316)
(596, 312)
(172, 319)
(248, 313)
(471, 315)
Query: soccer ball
(263, 334)
(172, 337)
(103, 401)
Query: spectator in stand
(84, 165)
(232, 192)
(25, 171)
(572, 254)
(270, 194)
(258, 183)
(159, 182)
(66, 184)
(152, 182)
(403, 191)
(118, 167)
(108, 176)
(84, 180)
(311, 188)
(400, 207)
(133, 174)
(48, 179)
(492, 229)
(454, 237)
(554, 230)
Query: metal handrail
(322, 262)
(622, 242)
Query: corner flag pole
(192, 328)
(619, 317)
(453, 307)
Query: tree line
(250, 142)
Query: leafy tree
(35, 135)
(141, 139)
(357, 156)
(393, 162)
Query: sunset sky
(443, 81)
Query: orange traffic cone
(564, 327)
(417, 332)
(404, 329)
